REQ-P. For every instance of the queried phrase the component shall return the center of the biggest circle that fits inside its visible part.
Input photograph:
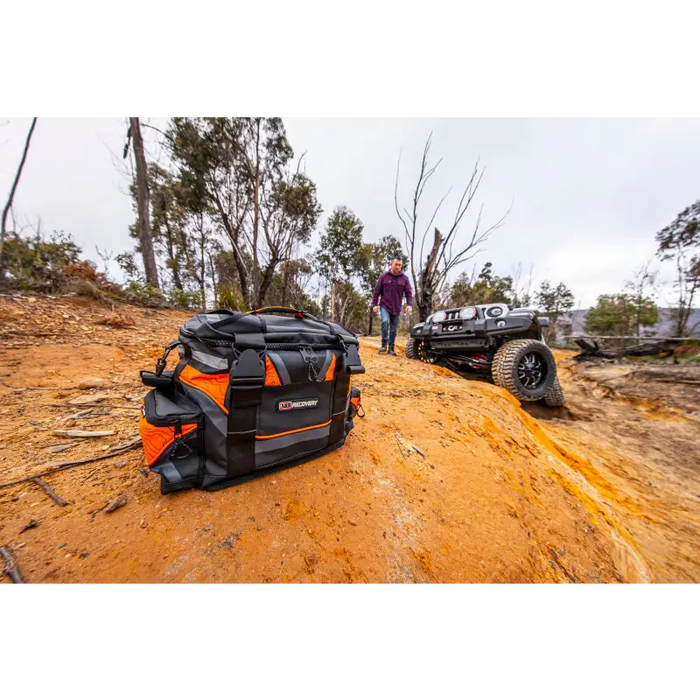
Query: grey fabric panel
(281, 368)
(208, 360)
(168, 471)
(262, 446)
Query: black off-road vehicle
(499, 343)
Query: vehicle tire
(526, 368)
(411, 348)
(554, 398)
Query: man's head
(396, 266)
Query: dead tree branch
(11, 198)
(11, 568)
(49, 492)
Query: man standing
(391, 287)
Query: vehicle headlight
(467, 313)
(439, 316)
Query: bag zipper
(270, 346)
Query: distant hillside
(663, 328)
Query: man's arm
(377, 291)
(409, 293)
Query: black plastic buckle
(248, 371)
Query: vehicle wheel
(416, 350)
(554, 398)
(526, 368)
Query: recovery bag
(252, 392)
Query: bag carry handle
(283, 310)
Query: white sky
(588, 194)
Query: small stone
(91, 383)
(144, 523)
(259, 528)
(83, 555)
(30, 525)
(353, 522)
(118, 502)
(230, 542)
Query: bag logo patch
(297, 404)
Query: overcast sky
(588, 195)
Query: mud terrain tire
(554, 398)
(411, 349)
(508, 366)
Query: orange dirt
(604, 490)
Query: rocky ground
(444, 480)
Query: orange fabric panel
(289, 432)
(331, 371)
(271, 376)
(356, 401)
(213, 385)
(157, 440)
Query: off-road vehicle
(495, 341)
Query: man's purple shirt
(392, 288)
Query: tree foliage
(618, 314)
(554, 302)
(680, 242)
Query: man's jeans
(390, 324)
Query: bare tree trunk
(256, 218)
(266, 281)
(174, 263)
(202, 270)
(213, 281)
(142, 200)
(11, 198)
(333, 300)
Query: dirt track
(606, 490)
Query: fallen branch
(93, 405)
(398, 442)
(55, 449)
(124, 445)
(39, 388)
(94, 471)
(676, 381)
(64, 466)
(49, 492)
(84, 433)
(11, 568)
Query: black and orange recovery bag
(252, 392)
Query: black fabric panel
(340, 399)
(288, 452)
(168, 408)
(273, 468)
(297, 367)
(271, 421)
(180, 461)
(244, 397)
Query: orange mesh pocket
(331, 371)
(271, 376)
(156, 440)
(213, 385)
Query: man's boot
(391, 352)
(383, 350)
